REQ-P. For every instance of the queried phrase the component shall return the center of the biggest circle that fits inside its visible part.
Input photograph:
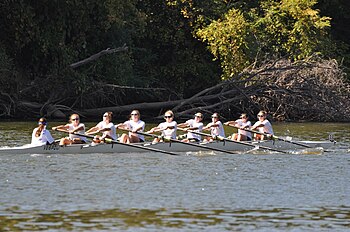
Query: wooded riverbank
(308, 90)
(58, 58)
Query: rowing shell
(169, 146)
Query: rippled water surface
(193, 192)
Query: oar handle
(215, 137)
(220, 138)
(134, 145)
(276, 137)
(256, 132)
(127, 144)
(178, 141)
(141, 133)
(60, 130)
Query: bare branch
(98, 55)
(128, 87)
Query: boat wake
(309, 151)
(201, 153)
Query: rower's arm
(121, 126)
(231, 123)
(137, 129)
(257, 126)
(60, 127)
(154, 129)
(77, 129)
(207, 127)
(183, 125)
(92, 130)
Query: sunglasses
(261, 115)
(167, 116)
(134, 114)
(242, 117)
(75, 119)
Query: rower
(168, 128)
(241, 123)
(107, 128)
(263, 126)
(73, 127)
(134, 124)
(195, 125)
(216, 128)
(40, 135)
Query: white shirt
(74, 136)
(217, 130)
(134, 125)
(168, 132)
(112, 132)
(199, 125)
(267, 128)
(44, 137)
(240, 123)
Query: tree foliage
(168, 54)
(229, 41)
(339, 11)
(46, 36)
(288, 28)
(176, 47)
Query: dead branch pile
(312, 90)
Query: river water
(158, 192)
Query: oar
(234, 141)
(276, 137)
(124, 144)
(178, 141)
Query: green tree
(228, 40)
(167, 52)
(45, 37)
(290, 28)
(339, 11)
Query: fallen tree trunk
(312, 90)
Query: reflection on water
(319, 219)
(303, 191)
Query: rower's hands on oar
(229, 124)
(59, 129)
(92, 132)
(218, 137)
(120, 126)
(151, 131)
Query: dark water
(156, 192)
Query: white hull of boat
(171, 147)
